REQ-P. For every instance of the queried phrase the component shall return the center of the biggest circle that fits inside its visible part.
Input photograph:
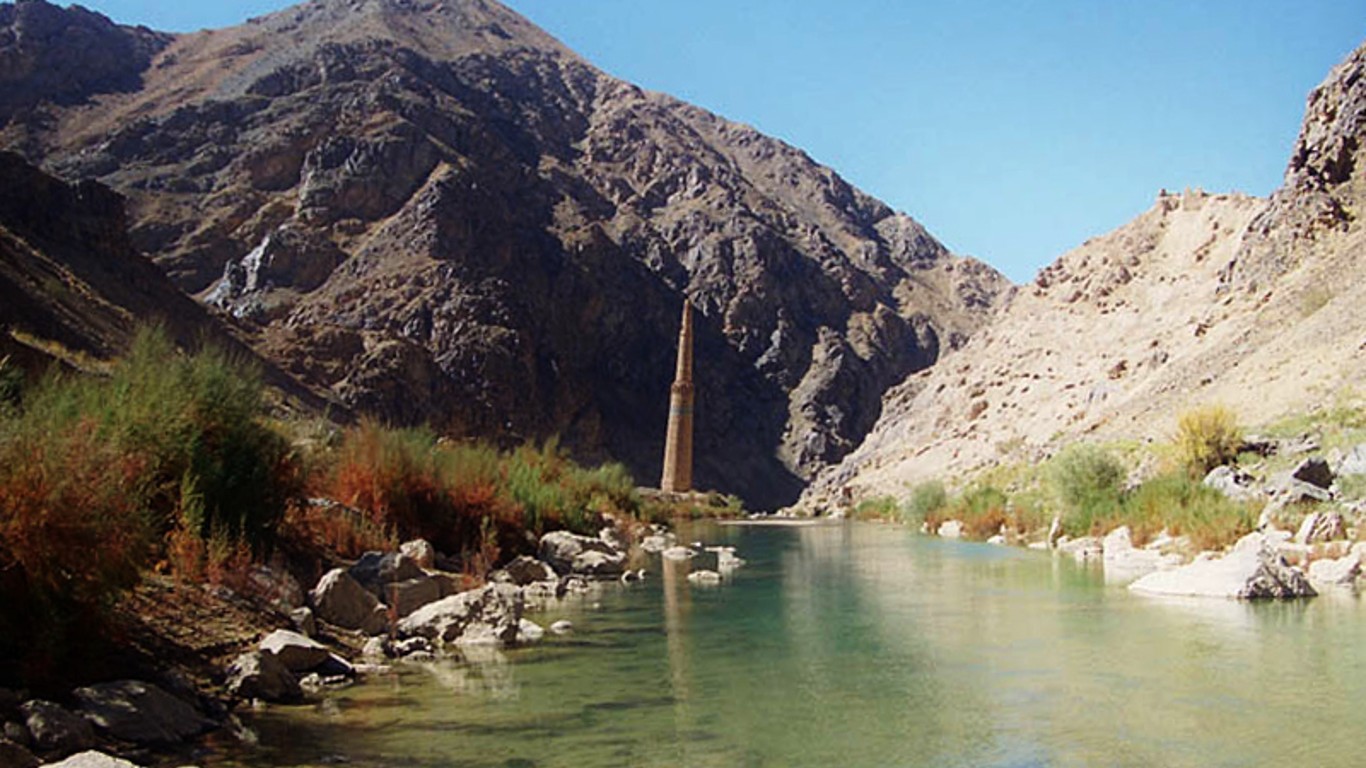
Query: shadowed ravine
(868, 646)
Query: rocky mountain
(1228, 299)
(73, 291)
(436, 212)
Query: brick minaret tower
(678, 442)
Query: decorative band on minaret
(678, 441)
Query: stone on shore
(376, 570)
(1315, 471)
(570, 553)
(1252, 570)
(304, 621)
(1083, 550)
(1321, 526)
(1354, 463)
(142, 713)
(56, 729)
(1342, 572)
(420, 551)
(488, 614)
(92, 759)
(1233, 483)
(404, 597)
(529, 631)
(339, 599)
(528, 570)
(258, 675)
(14, 755)
(277, 587)
(297, 652)
(950, 529)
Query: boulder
(564, 551)
(341, 600)
(140, 713)
(404, 597)
(488, 614)
(1321, 526)
(258, 675)
(655, 543)
(1252, 570)
(92, 759)
(13, 755)
(1343, 571)
(1354, 463)
(950, 529)
(599, 564)
(529, 631)
(420, 551)
(1315, 471)
(376, 570)
(705, 578)
(615, 537)
(297, 652)
(678, 553)
(375, 648)
(562, 627)
(304, 621)
(17, 733)
(56, 729)
(528, 570)
(1233, 483)
(1084, 549)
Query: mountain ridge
(438, 213)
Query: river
(863, 645)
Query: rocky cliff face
(72, 289)
(438, 213)
(1250, 303)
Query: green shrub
(1207, 437)
(1184, 506)
(881, 508)
(925, 500)
(1087, 481)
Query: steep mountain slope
(1254, 304)
(439, 213)
(73, 290)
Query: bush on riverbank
(1206, 438)
(97, 473)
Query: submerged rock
(1253, 570)
(92, 759)
(142, 713)
(705, 578)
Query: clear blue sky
(1013, 129)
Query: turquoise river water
(862, 645)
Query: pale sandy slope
(1259, 305)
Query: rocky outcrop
(140, 713)
(484, 232)
(1203, 299)
(570, 553)
(1252, 570)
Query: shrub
(883, 508)
(926, 499)
(1087, 481)
(1207, 437)
(1184, 506)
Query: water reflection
(869, 646)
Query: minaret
(678, 442)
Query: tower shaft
(677, 477)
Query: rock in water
(570, 553)
(262, 676)
(489, 614)
(297, 652)
(1253, 570)
(140, 712)
(55, 729)
(528, 570)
